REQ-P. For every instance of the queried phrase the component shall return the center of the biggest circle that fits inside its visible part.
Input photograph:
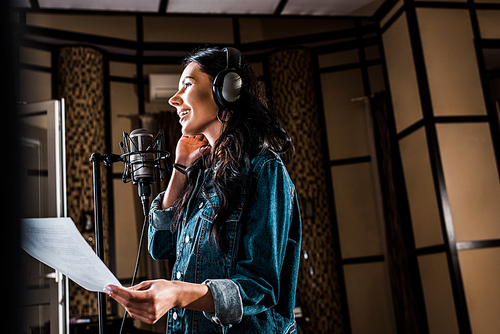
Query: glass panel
(345, 120)
(122, 69)
(438, 294)
(34, 192)
(368, 297)
(254, 29)
(401, 71)
(115, 26)
(44, 296)
(492, 62)
(35, 56)
(420, 187)
(338, 58)
(160, 68)
(124, 115)
(34, 85)
(489, 22)
(40, 326)
(376, 75)
(125, 228)
(357, 216)
(481, 274)
(454, 81)
(35, 168)
(471, 177)
(372, 52)
(198, 30)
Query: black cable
(145, 207)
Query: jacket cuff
(160, 219)
(227, 302)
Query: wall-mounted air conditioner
(162, 87)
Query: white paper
(58, 243)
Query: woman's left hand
(147, 301)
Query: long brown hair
(252, 128)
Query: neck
(213, 132)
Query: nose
(175, 100)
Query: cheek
(206, 97)
(199, 96)
(204, 101)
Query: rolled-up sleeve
(227, 302)
(161, 241)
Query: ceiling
(365, 8)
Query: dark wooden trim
(162, 8)
(363, 259)
(280, 7)
(437, 170)
(350, 161)
(478, 244)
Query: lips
(182, 113)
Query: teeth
(185, 112)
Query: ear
(227, 88)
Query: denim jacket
(253, 275)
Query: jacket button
(201, 205)
(178, 275)
(186, 240)
(174, 315)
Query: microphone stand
(96, 160)
(144, 189)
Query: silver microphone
(142, 155)
(141, 162)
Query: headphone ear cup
(231, 87)
(227, 88)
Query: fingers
(149, 317)
(135, 299)
(144, 285)
(130, 300)
(124, 296)
(188, 148)
(139, 301)
(193, 142)
(200, 137)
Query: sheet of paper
(58, 243)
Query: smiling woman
(231, 219)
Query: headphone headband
(233, 58)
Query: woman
(230, 213)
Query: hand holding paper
(58, 243)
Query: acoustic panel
(332, 8)
(222, 6)
(102, 5)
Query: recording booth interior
(393, 109)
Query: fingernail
(107, 290)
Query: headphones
(227, 84)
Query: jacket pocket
(205, 248)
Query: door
(43, 194)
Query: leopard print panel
(294, 98)
(81, 83)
